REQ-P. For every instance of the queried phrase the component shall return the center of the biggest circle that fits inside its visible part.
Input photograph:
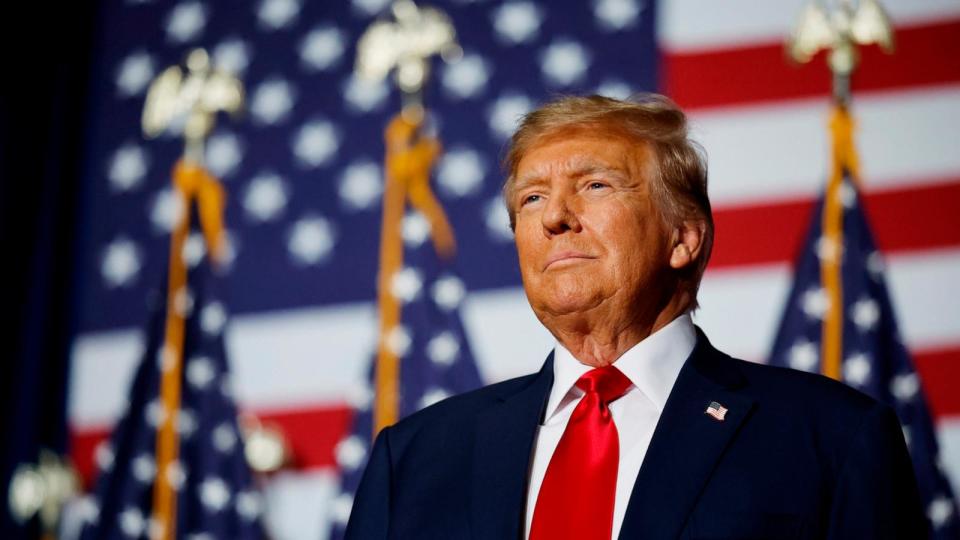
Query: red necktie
(578, 491)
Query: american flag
(717, 411)
(303, 167)
(215, 494)
(874, 358)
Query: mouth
(567, 257)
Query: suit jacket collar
(686, 445)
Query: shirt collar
(652, 365)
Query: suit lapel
(686, 444)
(504, 444)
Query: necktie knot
(608, 382)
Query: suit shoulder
(461, 407)
(807, 394)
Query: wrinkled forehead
(604, 147)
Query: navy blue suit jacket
(797, 456)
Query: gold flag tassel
(409, 158)
(191, 184)
(844, 165)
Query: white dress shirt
(652, 366)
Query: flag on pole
(423, 354)
(174, 466)
(839, 321)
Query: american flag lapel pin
(716, 411)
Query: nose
(560, 215)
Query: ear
(687, 241)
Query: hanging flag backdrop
(303, 168)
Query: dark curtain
(46, 51)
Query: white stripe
(780, 151)
(690, 25)
(948, 435)
(314, 357)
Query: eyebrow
(576, 171)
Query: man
(635, 427)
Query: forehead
(578, 148)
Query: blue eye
(530, 198)
(597, 185)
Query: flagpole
(166, 101)
(840, 31)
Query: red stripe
(904, 219)
(312, 434)
(928, 54)
(940, 370)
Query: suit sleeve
(370, 517)
(876, 495)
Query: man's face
(588, 234)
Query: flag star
(131, 522)
(828, 249)
(224, 437)
(88, 509)
(127, 167)
(315, 143)
(186, 22)
(613, 15)
(223, 154)
(311, 240)
(564, 62)
(415, 229)
(467, 77)
(875, 265)
(232, 56)
(166, 358)
(351, 452)
(134, 74)
(939, 511)
(865, 313)
(505, 113)
(406, 284)
(272, 101)
(443, 348)
(905, 387)
(194, 248)
(433, 395)
(265, 197)
(144, 468)
(186, 423)
(360, 396)
(398, 341)
(848, 195)
(175, 474)
(370, 7)
(361, 184)
(341, 507)
(104, 456)
(517, 22)
(212, 318)
(803, 355)
(856, 369)
(121, 263)
(448, 292)
(214, 494)
(460, 172)
(155, 529)
(614, 89)
(183, 302)
(200, 372)
(498, 221)
(154, 414)
(364, 96)
(277, 14)
(166, 210)
(323, 47)
(249, 505)
(815, 303)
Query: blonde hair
(679, 185)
